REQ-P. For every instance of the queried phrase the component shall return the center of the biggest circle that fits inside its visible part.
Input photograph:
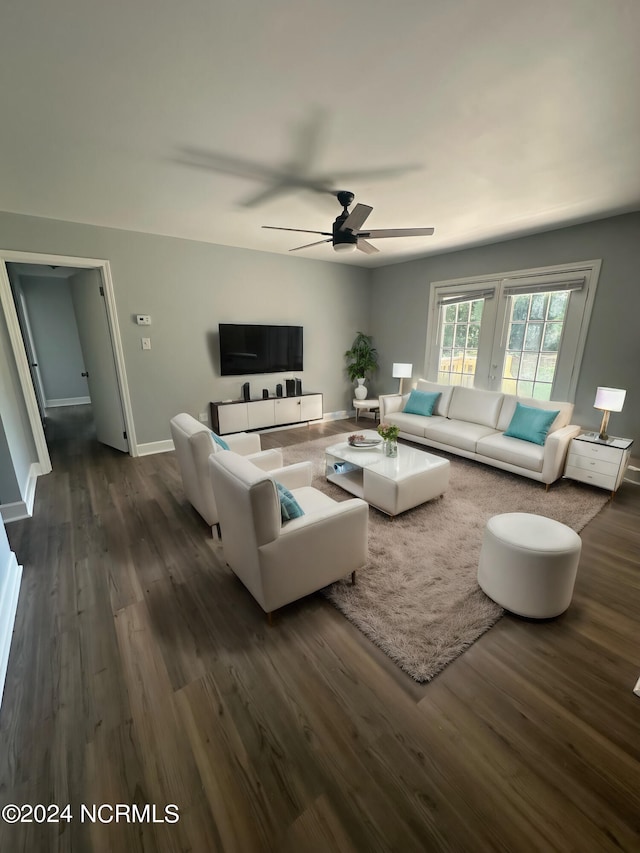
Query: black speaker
(246, 393)
(291, 387)
(298, 387)
(278, 390)
(265, 394)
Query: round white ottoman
(528, 564)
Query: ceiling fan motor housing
(346, 237)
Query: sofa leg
(353, 578)
(546, 487)
(270, 619)
(218, 531)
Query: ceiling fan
(347, 235)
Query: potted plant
(362, 359)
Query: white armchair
(282, 562)
(194, 444)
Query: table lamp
(401, 371)
(608, 400)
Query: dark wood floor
(142, 672)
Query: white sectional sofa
(471, 423)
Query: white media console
(240, 416)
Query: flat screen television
(246, 349)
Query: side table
(601, 463)
(372, 405)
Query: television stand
(243, 416)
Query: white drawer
(595, 464)
(596, 451)
(602, 480)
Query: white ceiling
(522, 116)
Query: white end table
(365, 405)
(601, 463)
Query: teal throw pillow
(531, 424)
(421, 402)
(289, 506)
(219, 441)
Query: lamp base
(604, 425)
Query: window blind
(469, 296)
(547, 287)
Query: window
(522, 333)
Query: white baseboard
(18, 510)
(8, 605)
(155, 447)
(15, 511)
(67, 401)
(337, 416)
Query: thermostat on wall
(143, 319)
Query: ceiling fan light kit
(346, 236)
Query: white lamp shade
(401, 371)
(610, 399)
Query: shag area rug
(418, 598)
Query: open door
(97, 352)
(30, 348)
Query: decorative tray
(365, 442)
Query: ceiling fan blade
(302, 230)
(265, 195)
(398, 232)
(372, 174)
(356, 218)
(308, 245)
(225, 164)
(369, 248)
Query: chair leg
(353, 578)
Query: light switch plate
(146, 343)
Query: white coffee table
(392, 485)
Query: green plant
(388, 431)
(362, 358)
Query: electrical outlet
(146, 343)
(203, 417)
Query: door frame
(20, 354)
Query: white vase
(361, 389)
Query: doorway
(102, 347)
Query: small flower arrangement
(388, 431)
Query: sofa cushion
(512, 451)
(563, 418)
(289, 506)
(222, 444)
(421, 402)
(530, 423)
(412, 424)
(459, 434)
(476, 407)
(442, 404)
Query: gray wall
(188, 288)
(400, 302)
(55, 335)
